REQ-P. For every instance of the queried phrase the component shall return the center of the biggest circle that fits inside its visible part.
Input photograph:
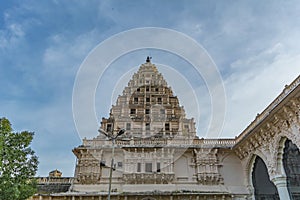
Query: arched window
(291, 163)
(263, 187)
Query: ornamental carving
(207, 166)
(285, 122)
(148, 178)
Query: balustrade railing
(48, 180)
(162, 142)
(148, 178)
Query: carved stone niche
(207, 167)
(88, 169)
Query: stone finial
(148, 59)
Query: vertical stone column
(281, 185)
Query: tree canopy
(18, 163)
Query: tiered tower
(148, 108)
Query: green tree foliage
(18, 163)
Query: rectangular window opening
(148, 126)
(159, 100)
(147, 111)
(148, 167)
(167, 126)
(157, 167)
(108, 128)
(128, 126)
(138, 167)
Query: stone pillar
(281, 185)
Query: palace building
(160, 157)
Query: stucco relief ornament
(239, 153)
(297, 116)
(268, 151)
(295, 105)
(265, 136)
(271, 168)
(247, 150)
(250, 146)
(254, 141)
(271, 155)
(291, 132)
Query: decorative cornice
(284, 123)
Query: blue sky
(254, 44)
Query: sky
(254, 46)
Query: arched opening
(291, 164)
(263, 187)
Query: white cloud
(11, 35)
(16, 30)
(193, 28)
(65, 51)
(255, 82)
